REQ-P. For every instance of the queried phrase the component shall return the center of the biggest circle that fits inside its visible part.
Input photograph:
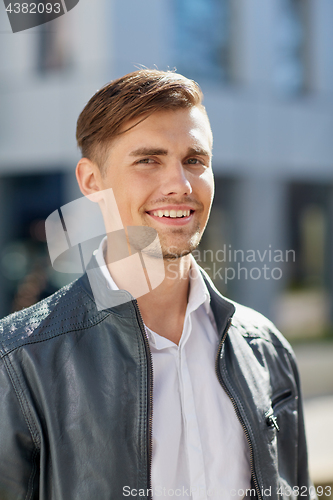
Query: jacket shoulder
(69, 309)
(253, 324)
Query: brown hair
(138, 93)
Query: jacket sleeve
(303, 469)
(19, 454)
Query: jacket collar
(118, 301)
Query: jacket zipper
(236, 408)
(271, 418)
(150, 391)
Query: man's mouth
(172, 216)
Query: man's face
(160, 172)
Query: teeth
(171, 213)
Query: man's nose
(175, 180)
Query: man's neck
(163, 308)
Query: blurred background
(266, 69)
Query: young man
(79, 383)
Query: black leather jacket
(76, 399)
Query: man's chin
(176, 254)
(172, 250)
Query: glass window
(289, 74)
(203, 38)
(26, 275)
(309, 234)
(53, 49)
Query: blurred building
(266, 69)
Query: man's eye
(146, 160)
(194, 161)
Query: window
(26, 275)
(203, 38)
(53, 50)
(291, 34)
(309, 234)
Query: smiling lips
(178, 217)
(171, 213)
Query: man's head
(147, 136)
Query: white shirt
(199, 447)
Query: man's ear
(89, 178)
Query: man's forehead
(196, 113)
(143, 135)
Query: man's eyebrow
(163, 152)
(198, 151)
(149, 152)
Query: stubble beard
(171, 250)
(166, 246)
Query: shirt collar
(100, 257)
(199, 293)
